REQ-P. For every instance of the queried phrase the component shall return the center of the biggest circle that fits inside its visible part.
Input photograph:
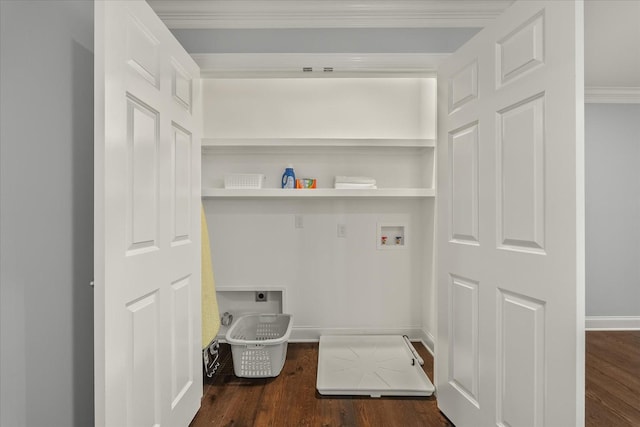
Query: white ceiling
(612, 27)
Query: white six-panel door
(147, 221)
(510, 338)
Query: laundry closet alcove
(322, 247)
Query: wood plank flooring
(612, 386)
(291, 399)
(612, 393)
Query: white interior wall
(391, 167)
(46, 213)
(319, 108)
(332, 284)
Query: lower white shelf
(318, 192)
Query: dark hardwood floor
(612, 379)
(612, 392)
(291, 399)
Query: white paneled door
(147, 221)
(510, 339)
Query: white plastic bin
(259, 344)
(242, 181)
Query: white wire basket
(259, 344)
(239, 181)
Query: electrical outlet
(261, 296)
(342, 231)
(299, 222)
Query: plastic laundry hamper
(259, 344)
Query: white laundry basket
(259, 344)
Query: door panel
(143, 140)
(182, 342)
(521, 50)
(520, 174)
(510, 291)
(147, 221)
(143, 50)
(520, 359)
(142, 389)
(463, 175)
(181, 184)
(463, 86)
(182, 84)
(463, 359)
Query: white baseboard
(612, 323)
(312, 334)
(428, 341)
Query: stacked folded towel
(354, 182)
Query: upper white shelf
(315, 142)
(318, 192)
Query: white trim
(253, 65)
(188, 14)
(214, 144)
(612, 323)
(312, 334)
(318, 192)
(429, 342)
(612, 95)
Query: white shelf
(314, 142)
(319, 192)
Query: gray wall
(326, 40)
(46, 213)
(612, 138)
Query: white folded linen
(351, 186)
(355, 180)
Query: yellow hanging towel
(210, 313)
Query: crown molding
(198, 14)
(237, 65)
(612, 95)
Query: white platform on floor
(370, 365)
